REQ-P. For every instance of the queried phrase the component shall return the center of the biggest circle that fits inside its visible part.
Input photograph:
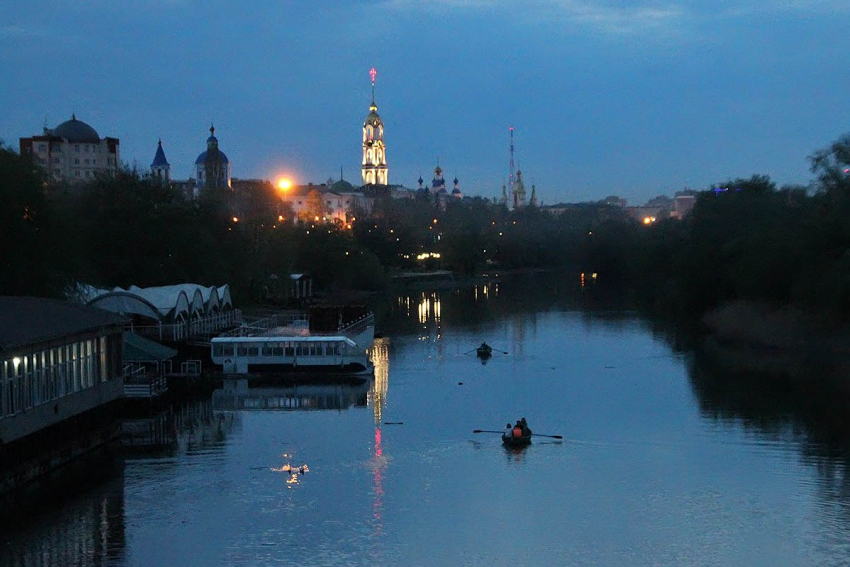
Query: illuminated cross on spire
(373, 73)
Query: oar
(486, 431)
(552, 436)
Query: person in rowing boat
(517, 430)
(509, 430)
(525, 430)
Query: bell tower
(374, 168)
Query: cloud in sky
(611, 18)
(619, 18)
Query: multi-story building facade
(73, 152)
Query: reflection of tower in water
(380, 357)
(379, 465)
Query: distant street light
(284, 184)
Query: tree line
(745, 239)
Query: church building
(212, 168)
(374, 169)
(160, 168)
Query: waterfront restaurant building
(58, 360)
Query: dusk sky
(606, 97)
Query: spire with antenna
(511, 169)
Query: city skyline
(632, 99)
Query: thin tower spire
(511, 169)
(373, 73)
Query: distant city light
(235, 219)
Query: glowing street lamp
(284, 184)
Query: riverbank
(754, 337)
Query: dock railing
(358, 326)
(178, 332)
(264, 325)
(141, 381)
(297, 320)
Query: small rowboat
(484, 351)
(511, 441)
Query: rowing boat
(511, 441)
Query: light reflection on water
(658, 465)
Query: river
(664, 460)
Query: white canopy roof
(164, 303)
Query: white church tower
(374, 151)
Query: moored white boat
(268, 347)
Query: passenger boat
(484, 351)
(511, 441)
(272, 348)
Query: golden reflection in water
(380, 357)
(404, 301)
(429, 308)
(379, 465)
(486, 291)
(294, 472)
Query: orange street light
(284, 184)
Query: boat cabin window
(273, 349)
(290, 349)
(220, 349)
(247, 349)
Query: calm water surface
(657, 465)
